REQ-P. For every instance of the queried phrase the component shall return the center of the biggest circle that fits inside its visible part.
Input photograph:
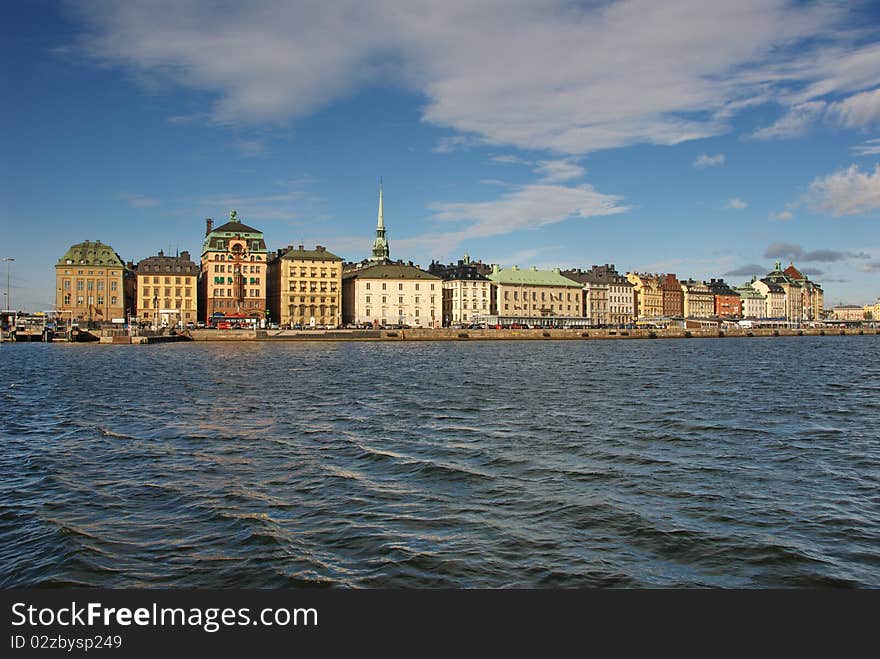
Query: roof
(531, 277)
(302, 254)
(747, 291)
(598, 274)
(234, 226)
(793, 272)
(91, 253)
(772, 286)
(167, 265)
(389, 270)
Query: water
(720, 462)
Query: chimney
(209, 225)
(320, 248)
(302, 248)
(185, 255)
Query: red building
(673, 297)
(728, 303)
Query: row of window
(89, 284)
(399, 299)
(313, 288)
(235, 268)
(220, 244)
(219, 292)
(254, 281)
(400, 313)
(233, 304)
(187, 292)
(169, 304)
(314, 273)
(399, 286)
(525, 296)
(92, 300)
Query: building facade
(848, 312)
(698, 301)
(466, 291)
(673, 297)
(812, 295)
(648, 295)
(794, 310)
(391, 294)
(774, 296)
(90, 284)
(728, 303)
(232, 281)
(304, 287)
(167, 290)
(754, 303)
(534, 293)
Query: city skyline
(710, 144)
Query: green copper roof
(389, 271)
(531, 277)
(91, 253)
(747, 291)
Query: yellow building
(304, 287)
(167, 290)
(89, 284)
(648, 294)
(535, 293)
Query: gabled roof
(302, 254)
(793, 272)
(531, 277)
(236, 227)
(91, 253)
(389, 270)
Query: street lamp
(8, 260)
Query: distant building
(673, 297)
(167, 290)
(754, 303)
(232, 281)
(774, 297)
(728, 303)
(382, 292)
(848, 312)
(812, 295)
(607, 295)
(648, 295)
(466, 291)
(794, 295)
(304, 287)
(698, 300)
(90, 284)
(872, 311)
(535, 293)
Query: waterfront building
(793, 293)
(673, 297)
(774, 296)
(166, 290)
(466, 291)
(535, 293)
(381, 292)
(872, 311)
(391, 293)
(304, 287)
(648, 295)
(232, 281)
(607, 295)
(754, 303)
(90, 284)
(698, 301)
(848, 312)
(812, 295)
(728, 303)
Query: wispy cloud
(736, 203)
(846, 192)
(250, 148)
(870, 266)
(138, 200)
(867, 148)
(782, 216)
(704, 160)
(508, 159)
(557, 171)
(570, 92)
(858, 110)
(793, 123)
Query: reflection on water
(735, 462)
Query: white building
(389, 293)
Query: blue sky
(702, 138)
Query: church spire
(380, 244)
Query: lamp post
(9, 260)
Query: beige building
(848, 312)
(89, 284)
(648, 294)
(232, 284)
(774, 298)
(535, 293)
(304, 287)
(699, 301)
(872, 311)
(390, 293)
(167, 290)
(607, 295)
(467, 293)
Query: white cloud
(250, 148)
(138, 200)
(782, 216)
(847, 192)
(704, 160)
(736, 203)
(857, 110)
(868, 148)
(793, 123)
(508, 159)
(556, 171)
(594, 76)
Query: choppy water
(731, 462)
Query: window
(67, 298)
(90, 285)
(400, 287)
(368, 286)
(417, 287)
(383, 285)
(113, 285)
(66, 284)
